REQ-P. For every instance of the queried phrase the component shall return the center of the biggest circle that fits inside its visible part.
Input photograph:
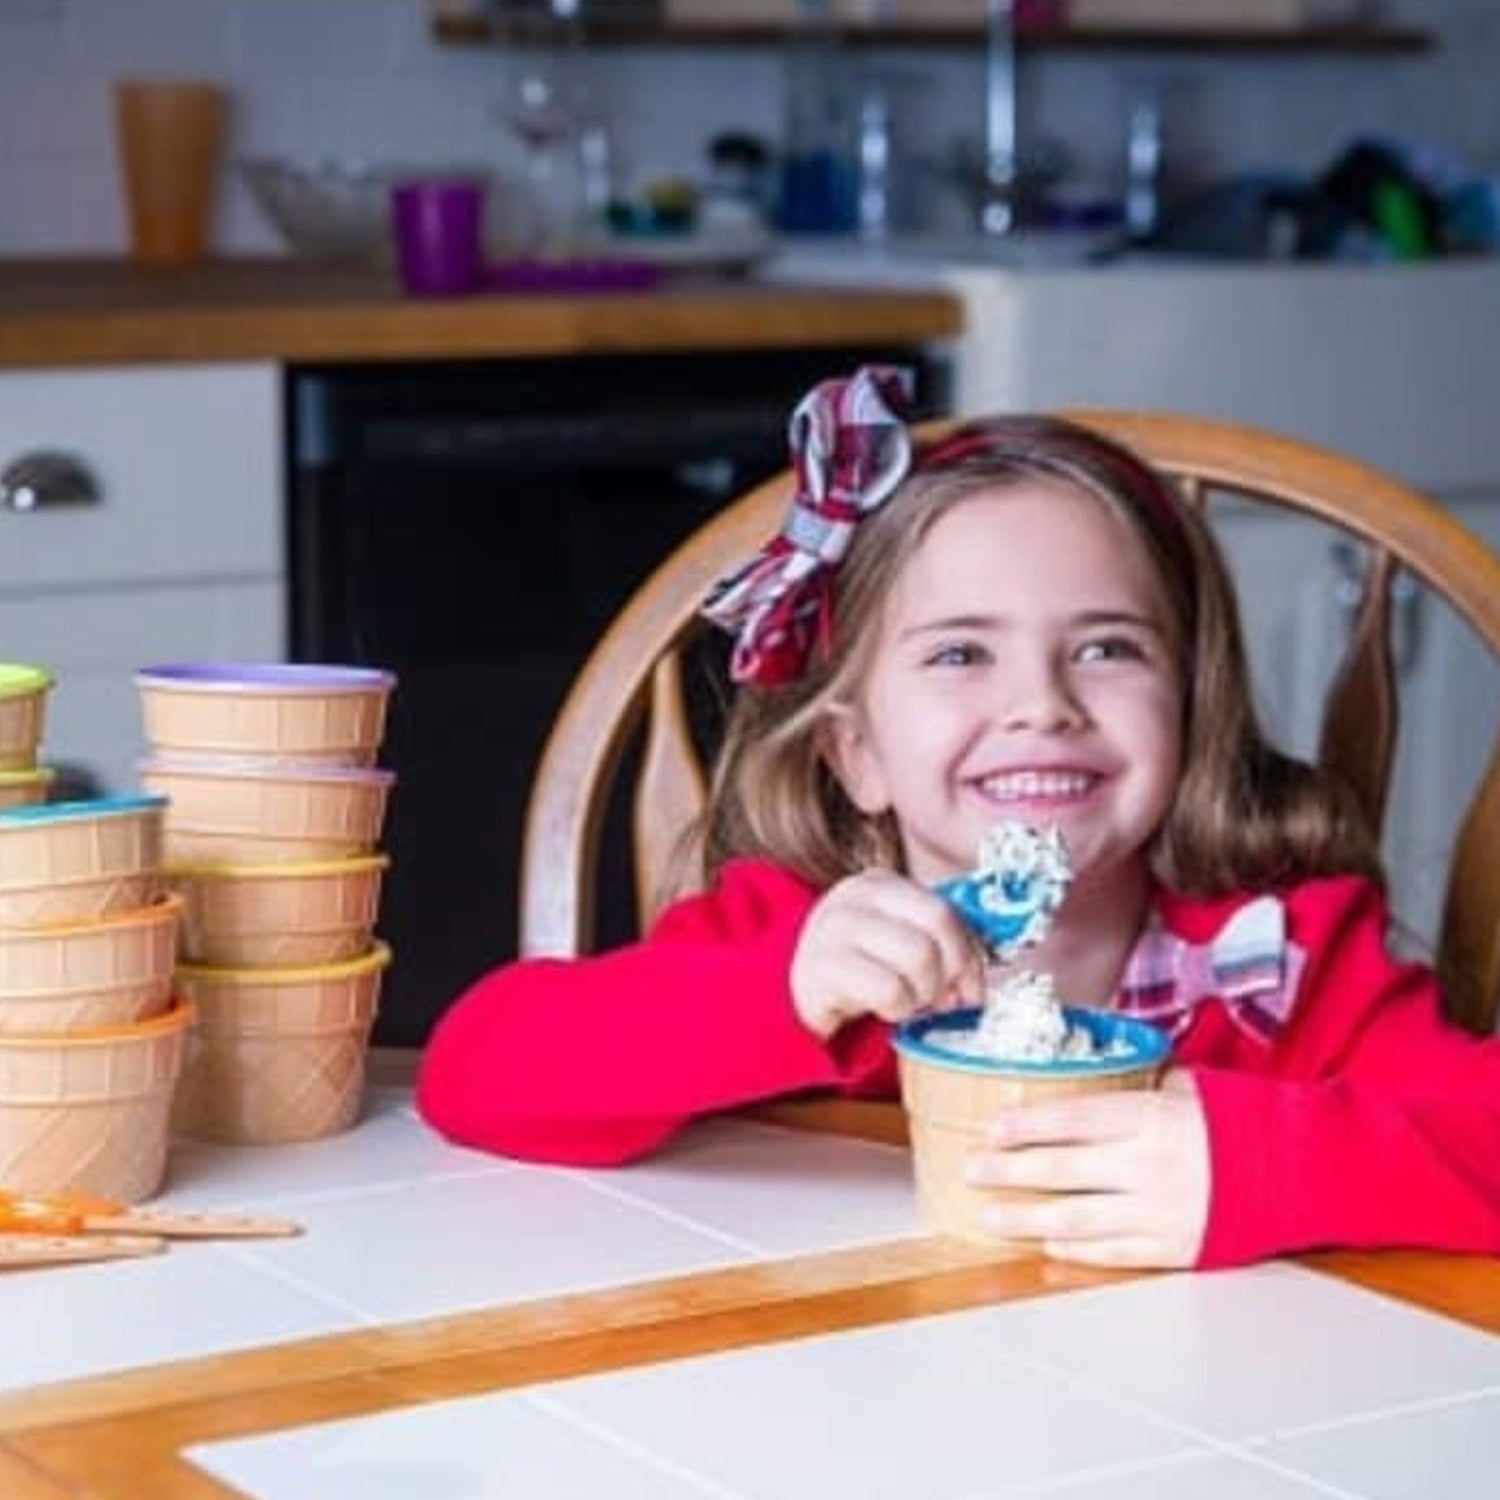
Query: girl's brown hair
(1246, 816)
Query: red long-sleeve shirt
(1367, 1121)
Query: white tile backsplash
(361, 79)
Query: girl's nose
(1040, 697)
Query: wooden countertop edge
(690, 320)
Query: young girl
(1020, 622)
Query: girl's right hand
(879, 944)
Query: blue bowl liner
(1148, 1045)
(89, 807)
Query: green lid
(17, 678)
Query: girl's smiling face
(1024, 669)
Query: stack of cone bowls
(91, 1037)
(951, 1095)
(271, 842)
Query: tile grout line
(669, 1215)
(251, 1260)
(1225, 1447)
(1384, 1413)
(562, 1413)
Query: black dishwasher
(473, 526)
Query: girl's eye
(1111, 648)
(955, 654)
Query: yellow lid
(17, 678)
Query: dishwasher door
(474, 528)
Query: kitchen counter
(76, 312)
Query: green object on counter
(1398, 217)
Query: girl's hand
(880, 944)
(1130, 1169)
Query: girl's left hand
(1131, 1172)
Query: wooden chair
(636, 671)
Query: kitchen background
(311, 545)
(363, 81)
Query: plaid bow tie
(1249, 966)
(851, 449)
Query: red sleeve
(599, 1060)
(1371, 1122)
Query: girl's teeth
(1026, 784)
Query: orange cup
(171, 140)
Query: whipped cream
(1022, 1021)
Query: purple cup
(438, 225)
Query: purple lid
(294, 677)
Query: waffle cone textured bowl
(277, 1055)
(23, 710)
(224, 812)
(286, 915)
(98, 971)
(275, 711)
(951, 1096)
(25, 788)
(90, 1112)
(62, 861)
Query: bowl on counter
(289, 915)
(269, 712)
(64, 861)
(230, 810)
(90, 1111)
(328, 211)
(98, 971)
(277, 1055)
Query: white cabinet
(182, 553)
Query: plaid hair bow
(1249, 966)
(850, 448)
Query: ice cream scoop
(1010, 898)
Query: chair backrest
(634, 678)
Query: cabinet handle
(1350, 562)
(42, 480)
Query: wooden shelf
(479, 30)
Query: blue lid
(1145, 1044)
(91, 807)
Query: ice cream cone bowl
(97, 971)
(25, 788)
(23, 708)
(278, 915)
(267, 711)
(90, 1111)
(226, 811)
(277, 1055)
(62, 861)
(950, 1096)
